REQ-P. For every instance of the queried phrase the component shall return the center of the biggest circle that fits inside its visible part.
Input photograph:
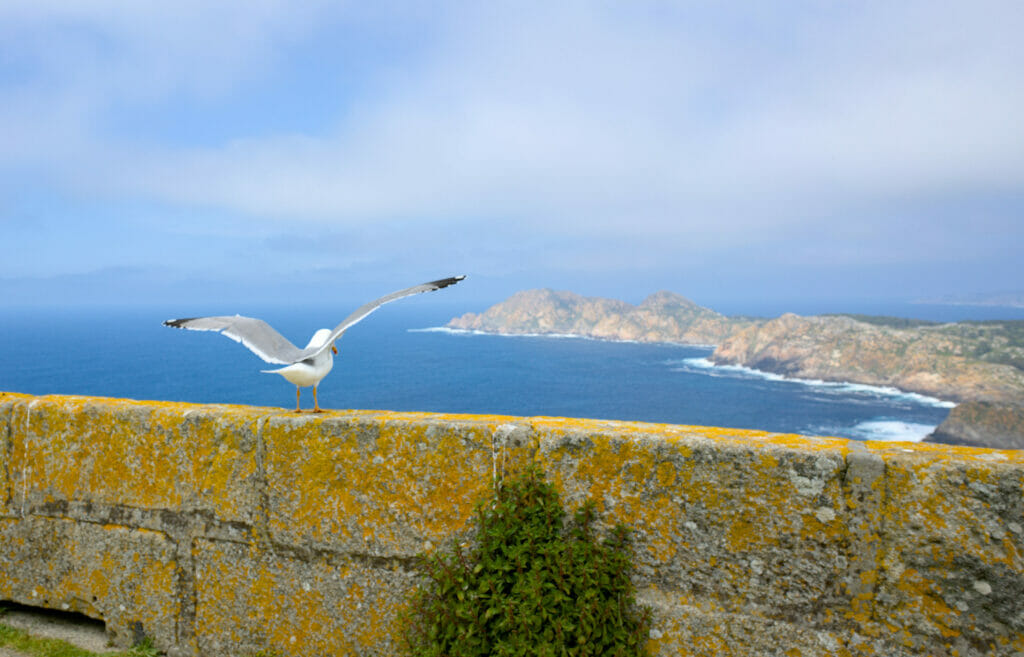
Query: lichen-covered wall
(225, 530)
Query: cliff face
(662, 317)
(934, 360)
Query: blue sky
(169, 153)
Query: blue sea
(398, 359)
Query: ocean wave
(707, 366)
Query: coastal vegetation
(994, 341)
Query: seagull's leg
(298, 391)
(316, 403)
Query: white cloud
(149, 50)
(682, 121)
(67, 65)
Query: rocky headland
(661, 317)
(961, 362)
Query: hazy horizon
(783, 153)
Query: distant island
(976, 363)
(662, 317)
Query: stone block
(754, 522)
(248, 600)
(125, 577)
(951, 571)
(7, 402)
(383, 484)
(684, 628)
(110, 454)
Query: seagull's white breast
(308, 374)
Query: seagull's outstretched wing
(257, 335)
(368, 308)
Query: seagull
(303, 367)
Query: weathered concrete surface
(307, 604)
(380, 485)
(125, 576)
(221, 530)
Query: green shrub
(532, 584)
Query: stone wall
(224, 530)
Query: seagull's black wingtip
(445, 282)
(178, 323)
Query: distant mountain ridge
(960, 362)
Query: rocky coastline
(931, 360)
(965, 362)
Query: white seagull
(303, 367)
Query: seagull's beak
(334, 349)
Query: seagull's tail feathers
(293, 373)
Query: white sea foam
(891, 430)
(445, 329)
(707, 366)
